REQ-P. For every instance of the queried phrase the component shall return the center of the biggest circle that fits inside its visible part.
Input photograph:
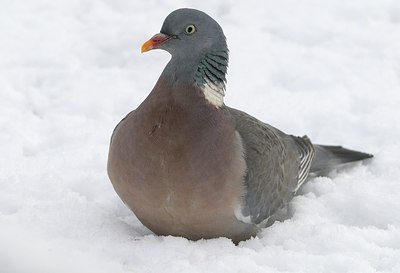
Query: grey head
(198, 48)
(194, 32)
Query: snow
(70, 70)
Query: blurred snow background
(70, 70)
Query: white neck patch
(214, 93)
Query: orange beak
(155, 42)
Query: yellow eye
(190, 29)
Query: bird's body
(182, 193)
(186, 164)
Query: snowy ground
(70, 70)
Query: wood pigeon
(188, 165)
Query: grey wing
(277, 164)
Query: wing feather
(277, 164)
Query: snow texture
(70, 70)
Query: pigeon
(188, 165)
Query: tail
(328, 158)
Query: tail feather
(328, 158)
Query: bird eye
(190, 29)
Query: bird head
(190, 33)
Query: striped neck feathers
(211, 77)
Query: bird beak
(155, 42)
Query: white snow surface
(70, 70)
